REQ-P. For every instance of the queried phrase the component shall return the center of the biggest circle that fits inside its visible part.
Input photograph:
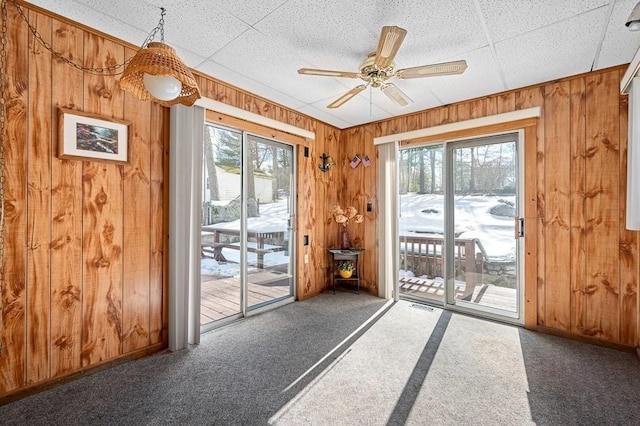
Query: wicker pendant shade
(159, 59)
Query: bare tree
(214, 193)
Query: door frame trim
(450, 301)
(530, 128)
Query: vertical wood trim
(530, 213)
(306, 274)
(157, 207)
(528, 98)
(557, 182)
(369, 229)
(39, 204)
(578, 190)
(628, 244)
(602, 203)
(13, 359)
(137, 225)
(541, 225)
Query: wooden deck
(483, 294)
(220, 297)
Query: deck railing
(423, 255)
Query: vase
(345, 240)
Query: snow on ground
(424, 215)
(273, 218)
(419, 215)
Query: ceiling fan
(378, 67)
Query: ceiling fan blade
(328, 73)
(444, 68)
(344, 98)
(390, 40)
(395, 94)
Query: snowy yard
(420, 215)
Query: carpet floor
(349, 359)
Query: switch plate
(306, 258)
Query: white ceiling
(259, 45)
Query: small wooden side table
(352, 254)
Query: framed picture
(85, 136)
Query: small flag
(355, 162)
(365, 161)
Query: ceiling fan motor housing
(374, 75)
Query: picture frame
(89, 137)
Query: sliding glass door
(459, 225)
(484, 225)
(269, 239)
(421, 223)
(246, 238)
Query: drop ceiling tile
(559, 50)
(324, 33)
(510, 18)
(269, 63)
(250, 12)
(234, 78)
(358, 110)
(189, 58)
(619, 44)
(140, 14)
(480, 78)
(95, 19)
(324, 116)
(435, 29)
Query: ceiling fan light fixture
(633, 22)
(378, 67)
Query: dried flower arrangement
(345, 216)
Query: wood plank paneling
(585, 265)
(66, 210)
(628, 245)
(136, 225)
(602, 203)
(158, 166)
(13, 359)
(531, 232)
(557, 185)
(578, 224)
(39, 204)
(369, 194)
(102, 217)
(63, 252)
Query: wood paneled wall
(587, 267)
(85, 242)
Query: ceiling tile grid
(565, 48)
(619, 44)
(511, 18)
(272, 65)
